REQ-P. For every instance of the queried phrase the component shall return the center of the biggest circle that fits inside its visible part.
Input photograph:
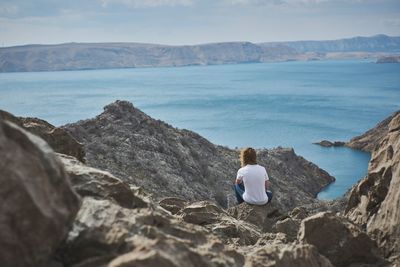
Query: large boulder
(100, 228)
(286, 255)
(38, 204)
(235, 232)
(201, 213)
(375, 201)
(172, 253)
(264, 216)
(88, 181)
(217, 220)
(342, 242)
(103, 231)
(58, 139)
(289, 226)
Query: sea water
(290, 104)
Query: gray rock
(326, 143)
(299, 213)
(264, 217)
(282, 255)
(38, 204)
(92, 182)
(173, 204)
(201, 213)
(217, 220)
(171, 253)
(103, 231)
(58, 139)
(375, 201)
(289, 226)
(302, 255)
(100, 228)
(235, 232)
(268, 239)
(342, 242)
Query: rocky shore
(368, 140)
(59, 211)
(373, 137)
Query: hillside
(80, 56)
(374, 202)
(179, 163)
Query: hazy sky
(193, 21)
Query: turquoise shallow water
(261, 105)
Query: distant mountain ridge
(79, 56)
(377, 43)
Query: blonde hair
(248, 156)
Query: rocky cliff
(119, 224)
(172, 162)
(370, 139)
(38, 204)
(375, 201)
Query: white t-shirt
(253, 177)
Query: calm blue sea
(262, 105)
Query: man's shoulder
(251, 167)
(261, 167)
(242, 169)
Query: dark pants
(239, 191)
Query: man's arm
(267, 184)
(239, 177)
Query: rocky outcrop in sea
(368, 140)
(327, 143)
(373, 137)
(57, 211)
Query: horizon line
(200, 44)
